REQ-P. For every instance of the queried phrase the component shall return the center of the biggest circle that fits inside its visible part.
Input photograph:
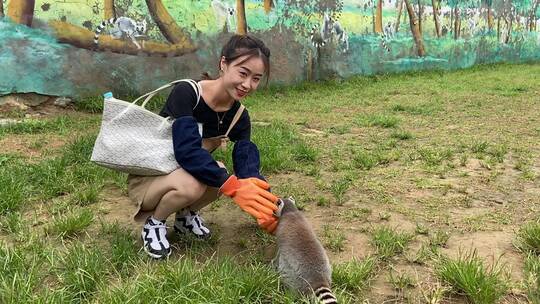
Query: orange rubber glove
(251, 195)
(269, 224)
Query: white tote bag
(135, 140)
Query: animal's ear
(292, 200)
(280, 204)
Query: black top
(183, 102)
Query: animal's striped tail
(100, 28)
(384, 44)
(325, 295)
(316, 38)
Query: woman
(198, 129)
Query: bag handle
(235, 119)
(195, 85)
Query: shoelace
(191, 219)
(157, 226)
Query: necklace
(220, 119)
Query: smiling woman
(200, 126)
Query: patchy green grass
(359, 155)
(389, 242)
(467, 275)
(529, 237)
(355, 275)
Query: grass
(355, 275)
(424, 148)
(468, 276)
(378, 120)
(532, 277)
(388, 242)
(334, 238)
(529, 237)
(71, 224)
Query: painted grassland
(424, 188)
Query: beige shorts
(139, 186)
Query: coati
(301, 259)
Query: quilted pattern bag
(135, 140)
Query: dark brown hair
(242, 45)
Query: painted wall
(49, 47)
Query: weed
(71, 224)
(334, 238)
(389, 242)
(532, 277)
(379, 120)
(401, 281)
(354, 275)
(401, 135)
(467, 275)
(439, 238)
(528, 237)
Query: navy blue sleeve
(242, 129)
(192, 157)
(246, 160)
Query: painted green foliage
(337, 36)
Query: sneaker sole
(155, 256)
(184, 231)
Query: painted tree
(268, 5)
(167, 25)
(436, 4)
(456, 17)
(109, 10)
(83, 38)
(378, 18)
(1, 8)
(241, 23)
(488, 4)
(21, 11)
(301, 15)
(398, 18)
(417, 35)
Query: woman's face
(244, 78)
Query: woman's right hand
(252, 195)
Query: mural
(83, 47)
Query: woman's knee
(188, 191)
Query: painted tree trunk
(420, 13)
(415, 30)
(378, 17)
(400, 8)
(83, 38)
(109, 9)
(490, 17)
(21, 11)
(532, 18)
(241, 22)
(456, 23)
(436, 18)
(268, 5)
(498, 28)
(166, 24)
(509, 34)
(1, 8)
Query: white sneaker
(191, 223)
(154, 236)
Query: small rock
(27, 99)
(11, 102)
(62, 102)
(8, 121)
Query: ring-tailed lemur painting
(329, 29)
(123, 27)
(224, 11)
